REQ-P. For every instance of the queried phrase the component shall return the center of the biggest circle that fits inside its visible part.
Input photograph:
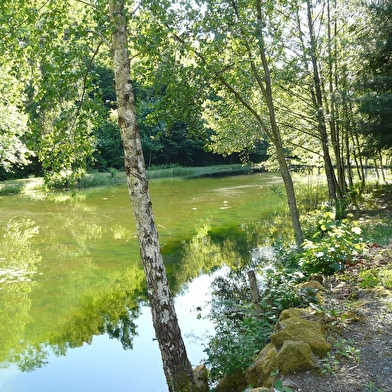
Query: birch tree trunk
(177, 368)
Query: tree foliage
(13, 122)
(199, 79)
(376, 78)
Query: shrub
(240, 331)
(235, 345)
(10, 188)
(335, 244)
(376, 277)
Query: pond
(74, 313)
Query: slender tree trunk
(275, 135)
(348, 161)
(318, 101)
(177, 368)
(291, 198)
(358, 157)
(335, 129)
(382, 167)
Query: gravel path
(361, 359)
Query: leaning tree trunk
(177, 368)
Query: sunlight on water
(74, 314)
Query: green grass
(194, 172)
(14, 187)
(11, 188)
(115, 177)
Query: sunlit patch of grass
(11, 188)
(377, 230)
(22, 186)
(90, 180)
(195, 172)
(376, 277)
(34, 184)
(310, 192)
(169, 172)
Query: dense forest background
(204, 80)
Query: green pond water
(74, 314)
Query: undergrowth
(241, 329)
(330, 247)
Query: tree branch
(78, 110)
(100, 35)
(89, 4)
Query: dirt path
(360, 322)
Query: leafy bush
(282, 292)
(241, 331)
(10, 188)
(335, 244)
(235, 344)
(376, 277)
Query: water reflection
(74, 274)
(57, 324)
(18, 264)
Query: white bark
(177, 368)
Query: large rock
(294, 312)
(200, 375)
(299, 329)
(232, 383)
(312, 284)
(294, 356)
(293, 348)
(259, 373)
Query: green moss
(232, 383)
(259, 373)
(312, 284)
(295, 356)
(200, 375)
(298, 329)
(294, 312)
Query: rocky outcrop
(232, 383)
(302, 330)
(259, 373)
(293, 348)
(295, 345)
(200, 375)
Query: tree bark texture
(177, 368)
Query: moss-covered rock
(295, 356)
(200, 375)
(294, 312)
(293, 347)
(312, 284)
(232, 383)
(299, 329)
(259, 373)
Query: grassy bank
(116, 177)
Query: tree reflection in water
(18, 264)
(52, 305)
(110, 310)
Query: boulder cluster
(296, 345)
